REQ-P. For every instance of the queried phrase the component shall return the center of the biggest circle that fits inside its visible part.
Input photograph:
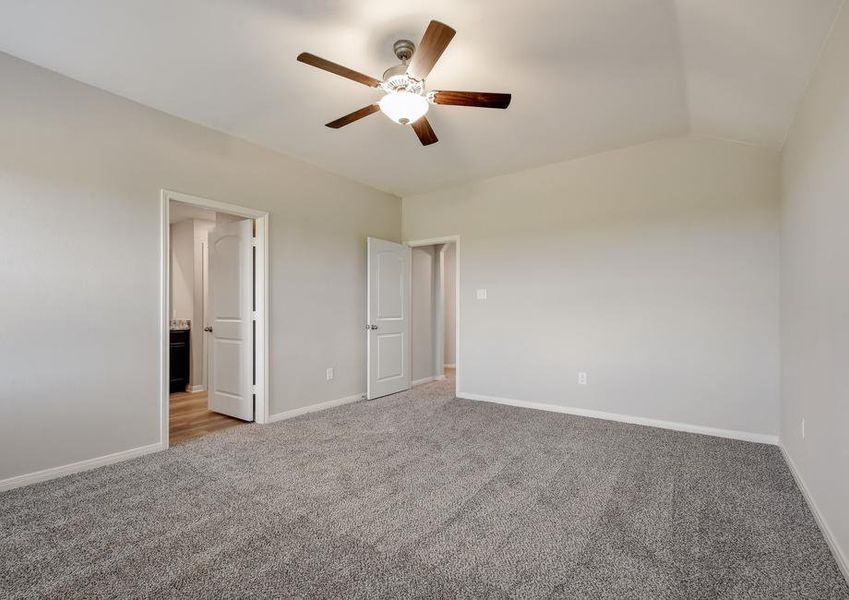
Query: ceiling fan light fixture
(404, 107)
(407, 100)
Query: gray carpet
(422, 495)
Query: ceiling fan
(407, 101)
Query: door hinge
(254, 315)
(253, 389)
(253, 242)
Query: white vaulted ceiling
(586, 75)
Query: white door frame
(448, 239)
(262, 287)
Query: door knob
(373, 327)
(209, 329)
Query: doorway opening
(401, 330)
(433, 298)
(214, 367)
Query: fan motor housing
(397, 82)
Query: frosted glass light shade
(403, 107)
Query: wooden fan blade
(481, 99)
(354, 116)
(326, 65)
(435, 40)
(424, 131)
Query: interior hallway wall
(182, 270)
(815, 290)
(654, 269)
(422, 271)
(82, 232)
(449, 355)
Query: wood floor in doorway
(190, 418)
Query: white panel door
(388, 318)
(230, 326)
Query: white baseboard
(451, 366)
(762, 438)
(422, 381)
(296, 412)
(439, 378)
(198, 388)
(83, 465)
(838, 553)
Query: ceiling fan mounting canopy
(406, 101)
(404, 50)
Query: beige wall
(449, 355)
(423, 270)
(182, 270)
(815, 290)
(80, 177)
(654, 269)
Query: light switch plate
(329, 373)
(480, 294)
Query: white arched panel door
(388, 327)
(230, 326)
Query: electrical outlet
(582, 378)
(329, 373)
(803, 428)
